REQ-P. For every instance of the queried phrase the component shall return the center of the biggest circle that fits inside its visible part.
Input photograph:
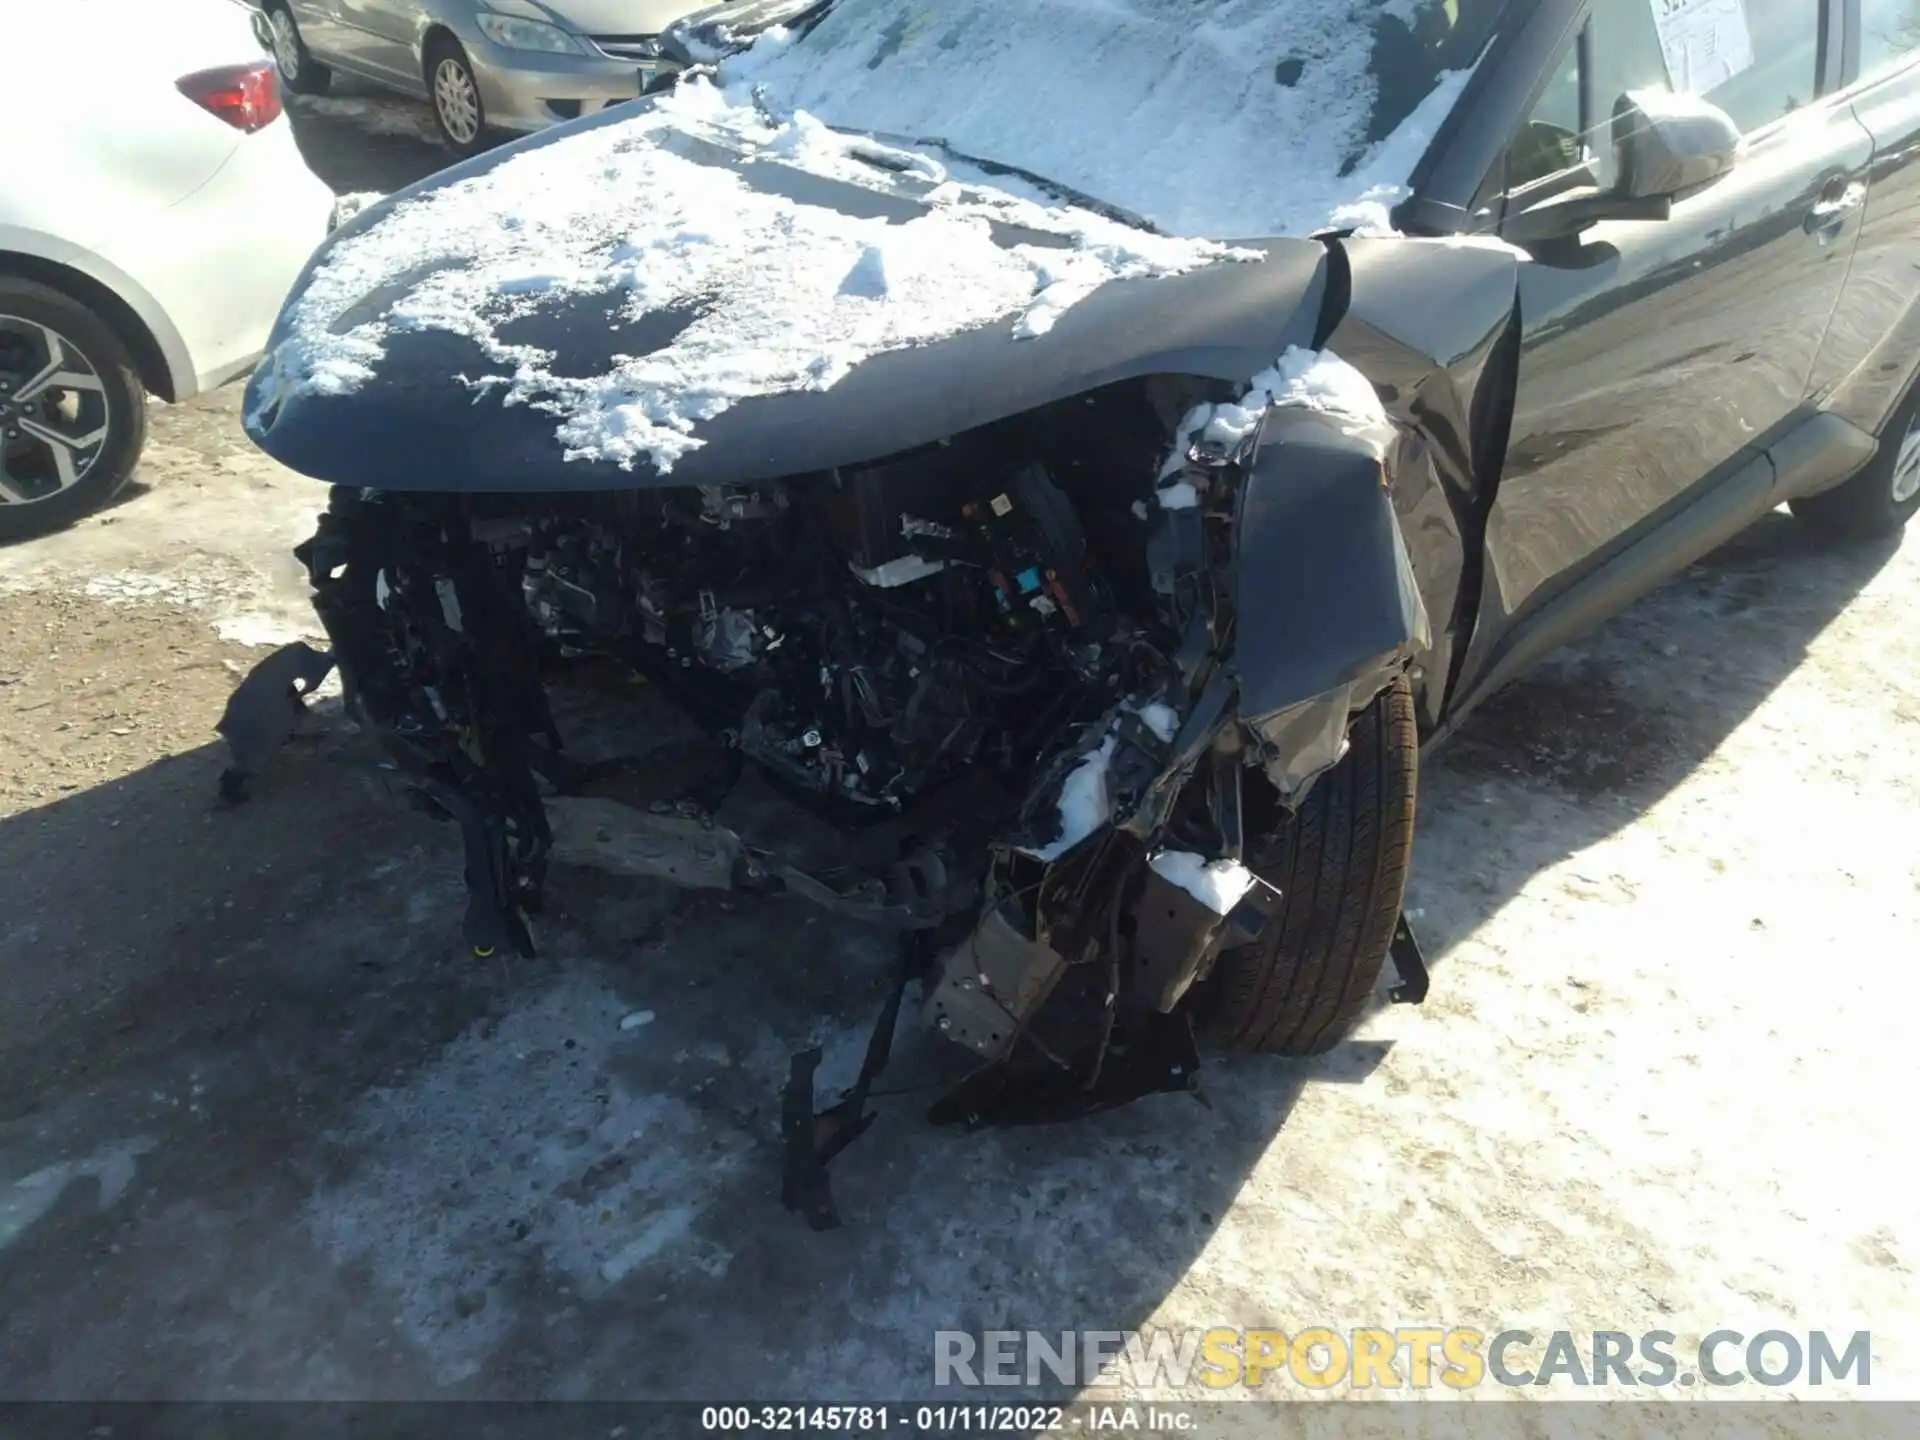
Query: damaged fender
(1435, 325)
(1328, 609)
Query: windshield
(1222, 118)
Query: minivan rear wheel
(1881, 498)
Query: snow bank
(1216, 884)
(1232, 118)
(781, 295)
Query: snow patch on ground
(26, 1200)
(386, 117)
(518, 1128)
(213, 529)
(257, 628)
(1216, 884)
(779, 295)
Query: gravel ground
(267, 1131)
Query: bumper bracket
(1409, 963)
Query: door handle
(1830, 212)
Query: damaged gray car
(1087, 453)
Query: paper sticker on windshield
(1706, 42)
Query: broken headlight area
(1003, 664)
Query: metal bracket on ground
(1409, 963)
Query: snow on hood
(785, 295)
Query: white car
(146, 246)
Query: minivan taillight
(245, 96)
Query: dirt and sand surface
(267, 1130)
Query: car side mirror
(1671, 145)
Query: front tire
(1340, 863)
(1882, 498)
(300, 73)
(458, 110)
(73, 413)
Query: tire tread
(1341, 866)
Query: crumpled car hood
(435, 399)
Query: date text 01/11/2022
(943, 1419)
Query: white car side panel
(198, 227)
(222, 260)
(18, 240)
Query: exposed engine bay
(864, 637)
(1002, 664)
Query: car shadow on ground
(1600, 732)
(357, 137)
(282, 1136)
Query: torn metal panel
(1174, 937)
(1297, 745)
(1326, 596)
(990, 984)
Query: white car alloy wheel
(53, 413)
(457, 100)
(286, 44)
(1906, 465)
